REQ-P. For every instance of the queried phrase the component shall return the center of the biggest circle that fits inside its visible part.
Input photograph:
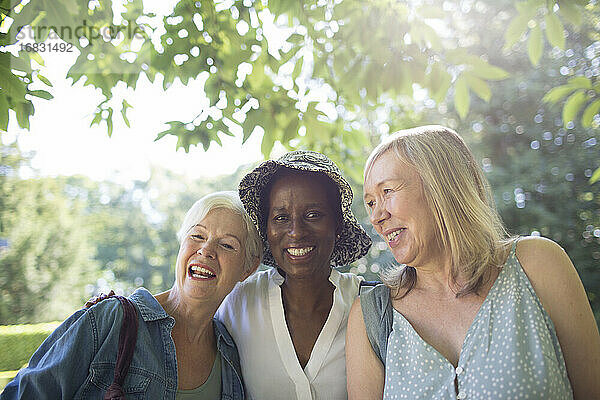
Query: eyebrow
(225, 235)
(309, 205)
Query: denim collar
(151, 310)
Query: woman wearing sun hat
(289, 321)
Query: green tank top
(209, 390)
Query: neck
(192, 319)
(307, 294)
(435, 277)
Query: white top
(253, 313)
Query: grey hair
(229, 200)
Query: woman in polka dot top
(470, 313)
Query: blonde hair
(460, 201)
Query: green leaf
(580, 82)
(97, 118)
(3, 111)
(570, 12)
(109, 121)
(297, 68)
(124, 112)
(480, 87)
(461, 97)
(267, 143)
(36, 57)
(535, 45)
(595, 176)
(557, 93)
(24, 110)
(555, 31)
(41, 94)
(488, 72)
(515, 31)
(588, 114)
(573, 105)
(44, 79)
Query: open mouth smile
(299, 251)
(393, 235)
(200, 272)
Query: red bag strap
(127, 340)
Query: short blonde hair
(460, 201)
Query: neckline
(283, 337)
(472, 327)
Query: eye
(197, 236)
(227, 246)
(387, 191)
(280, 218)
(313, 214)
(370, 203)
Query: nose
(206, 249)
(297, 228)
(379, 214)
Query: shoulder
(245, 296)
(548, 268)
(542, 259)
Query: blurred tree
(44, 253)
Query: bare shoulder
(543, 259)
(550, 271)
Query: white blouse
(253, 313)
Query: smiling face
(211, 256)
(301, 224)
(400, 212)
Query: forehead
(387, 168)
(222, 221)
(301, 188)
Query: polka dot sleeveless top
(510, 351)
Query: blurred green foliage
(22, 340)
(517, 79)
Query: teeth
(201, 273)
(299, 252)
(393, 235)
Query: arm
(561, 292)
(365, 373)
(59, 366)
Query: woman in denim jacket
(181, 350)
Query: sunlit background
(82, 212)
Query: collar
(275, 276)
(221, 333)
(150, 309)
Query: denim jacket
(77, 360)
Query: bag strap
(377, 314)
(127, 340)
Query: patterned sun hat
(353, 242)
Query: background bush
(20, 341)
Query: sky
(64, 143)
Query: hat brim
(353, 241)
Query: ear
(252, 269)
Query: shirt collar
(150, 308)
(275, 276)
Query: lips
(299, 251)
(201, 272)
(392, 236)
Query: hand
(99, 298)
